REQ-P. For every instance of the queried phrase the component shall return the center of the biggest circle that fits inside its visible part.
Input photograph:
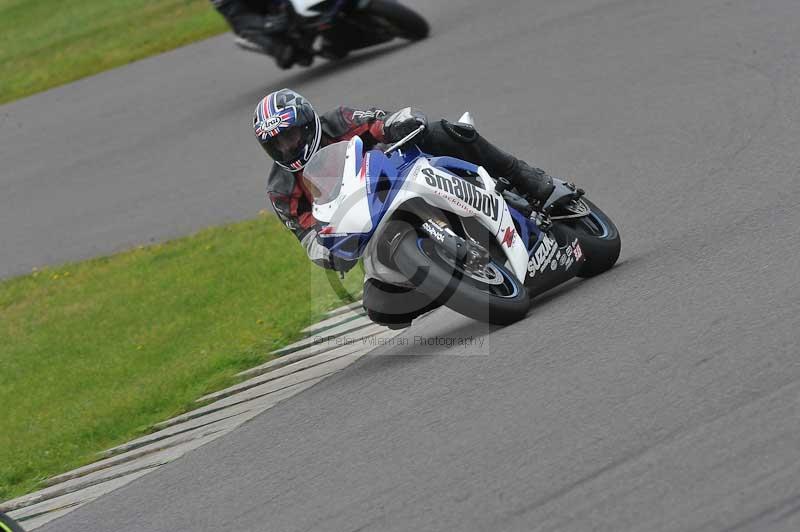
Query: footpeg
(542, 220)
(502, 185)
(562, 194)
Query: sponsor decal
(578, 251)
(465, 191)
(330, 231)
(541, 256)
(271, 125)
(549, 255)
(434, 231)
(368, 114)
(508, 237)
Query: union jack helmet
(288, 128)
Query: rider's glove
(403, 122)
(322, 256)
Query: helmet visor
(289, 145)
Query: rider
(291, 132)
(259, 26)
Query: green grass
(45, 43)
(94, 353)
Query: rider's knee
(460, 132)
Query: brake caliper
(468, 252)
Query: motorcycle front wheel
(493, 295)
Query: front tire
(501, 301)
(406, 22)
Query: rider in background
(291, 132)
(260, 26)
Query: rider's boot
(528, 180)
(472, 146)
(278, 45)
(531, 181)
(284, 54)
(304, 58)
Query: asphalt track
(664, 395)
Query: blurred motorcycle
(333, 28)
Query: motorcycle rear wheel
(406, 23)
(599, 239)
(499, 298)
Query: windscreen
(324, 172)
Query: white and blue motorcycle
(445, 227)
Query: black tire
(9, 525)
(599, 239)
(417, 259)
(406, 22)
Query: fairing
(374, 186)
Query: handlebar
(404, 140)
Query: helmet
(288, 128)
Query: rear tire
(407, 23)
(599, 239)
(418, 260)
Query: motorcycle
(9, 525)
(333, 28)
(447, 229)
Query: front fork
(466, 251)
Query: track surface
(664, 395)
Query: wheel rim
(494, 280)
(593, 225)
(490, 274)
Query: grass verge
(93, 353)
(45, 43)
